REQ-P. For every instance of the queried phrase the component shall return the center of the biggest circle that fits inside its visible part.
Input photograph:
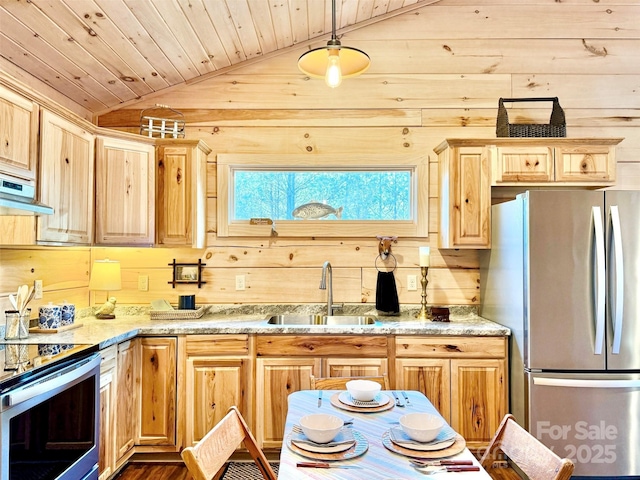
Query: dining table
(373, 456)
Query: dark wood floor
(153, 471)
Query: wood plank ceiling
(104, 53)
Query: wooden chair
(527, 453)
(206, 460)
(340, 383)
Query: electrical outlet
(37, 287)
(239, 282)
(412, 282)
(143, 283)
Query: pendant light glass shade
(335, 61)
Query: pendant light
(335, 61)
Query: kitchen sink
(316, 320)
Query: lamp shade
(105, 275)
(352, 61)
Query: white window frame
(417, 227)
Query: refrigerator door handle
(600, 279)
(569, 382)
(616, 236)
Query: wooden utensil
(21, 298)
(12, 299)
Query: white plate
(346, 434)
(379, 400)
(444, 440)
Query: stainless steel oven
(49, 414)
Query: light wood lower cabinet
(218, 375)
(464, 377)
(106, 448)
(285, 364)
(276, 379)
(126, 413)
(164, 393)
(157, 394)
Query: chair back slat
(340, 383)
(530, 455)
(208, 457)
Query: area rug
(245, 471)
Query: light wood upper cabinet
(468, 168)
(181, 192)
(522, 164)
(66, 181)
(465, 196)
(586, 163)
(553, 162)
(125, 192)
(18, 135)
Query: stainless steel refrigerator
(563, 273)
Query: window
(323, 195)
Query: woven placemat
(246, 471)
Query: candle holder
(424, 314)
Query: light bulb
(333, 77)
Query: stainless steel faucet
(323, 286)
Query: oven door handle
(52, 382)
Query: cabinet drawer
(451, 347)
(108, 358)
(310, 345)
(522, 164)
(589, 163)
(204, 345)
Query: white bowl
(364, 390)
(421, 427)
(321, 427)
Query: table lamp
(106, 277)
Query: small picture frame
(187, 273)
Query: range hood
(17, 197)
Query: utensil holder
(16, 326)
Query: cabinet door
(478, 398)
(213, 384)
(18, 135)
(66, 181)
(106, 455)
(126, 413)
(590, 164)
(429, 376)
(125, 192)
(157, 391)
(465, 200)
(182, 193)
(354, 367)
(106, 448)
(522, 164)
(276, 378)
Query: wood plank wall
(436, 73)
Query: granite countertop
(238, 319)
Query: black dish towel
(386, 294)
